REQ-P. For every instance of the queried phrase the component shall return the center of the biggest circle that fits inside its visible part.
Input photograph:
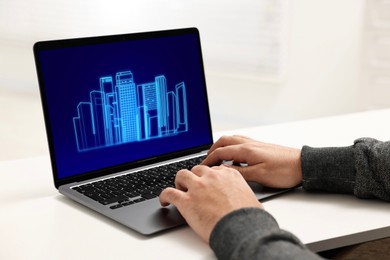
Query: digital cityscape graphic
(123, 112)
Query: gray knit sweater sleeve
(252, 233)
(362, 169)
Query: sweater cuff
(328, 169)
(238, 225)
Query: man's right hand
(268, 164)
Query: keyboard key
(113, 200)
(139, 200)
(116, 206)
(127, 203)
(148, 196)
(156, 191)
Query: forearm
(253, 233)
(362, 169)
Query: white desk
(36, 222)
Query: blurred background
(266, 61)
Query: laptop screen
(115, 100)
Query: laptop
(123, 113)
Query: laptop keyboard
(135, 187)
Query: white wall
(322, 63)
(375, 73)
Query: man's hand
(268, 164)
(204, 195)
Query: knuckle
(225, 137)
(197, 167)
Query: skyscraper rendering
(127, 98)
(84, 126)
(106, 86)
(161, 87)
(181, 110)
(98, 124)
(123, 112)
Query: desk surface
(36, 222)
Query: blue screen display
(117, 102)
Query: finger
(200, 170)
(226, 168)
(183, 179)
(229, 140)
(244, 138)
(229, 153)
(171, 196)
(248, 172)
